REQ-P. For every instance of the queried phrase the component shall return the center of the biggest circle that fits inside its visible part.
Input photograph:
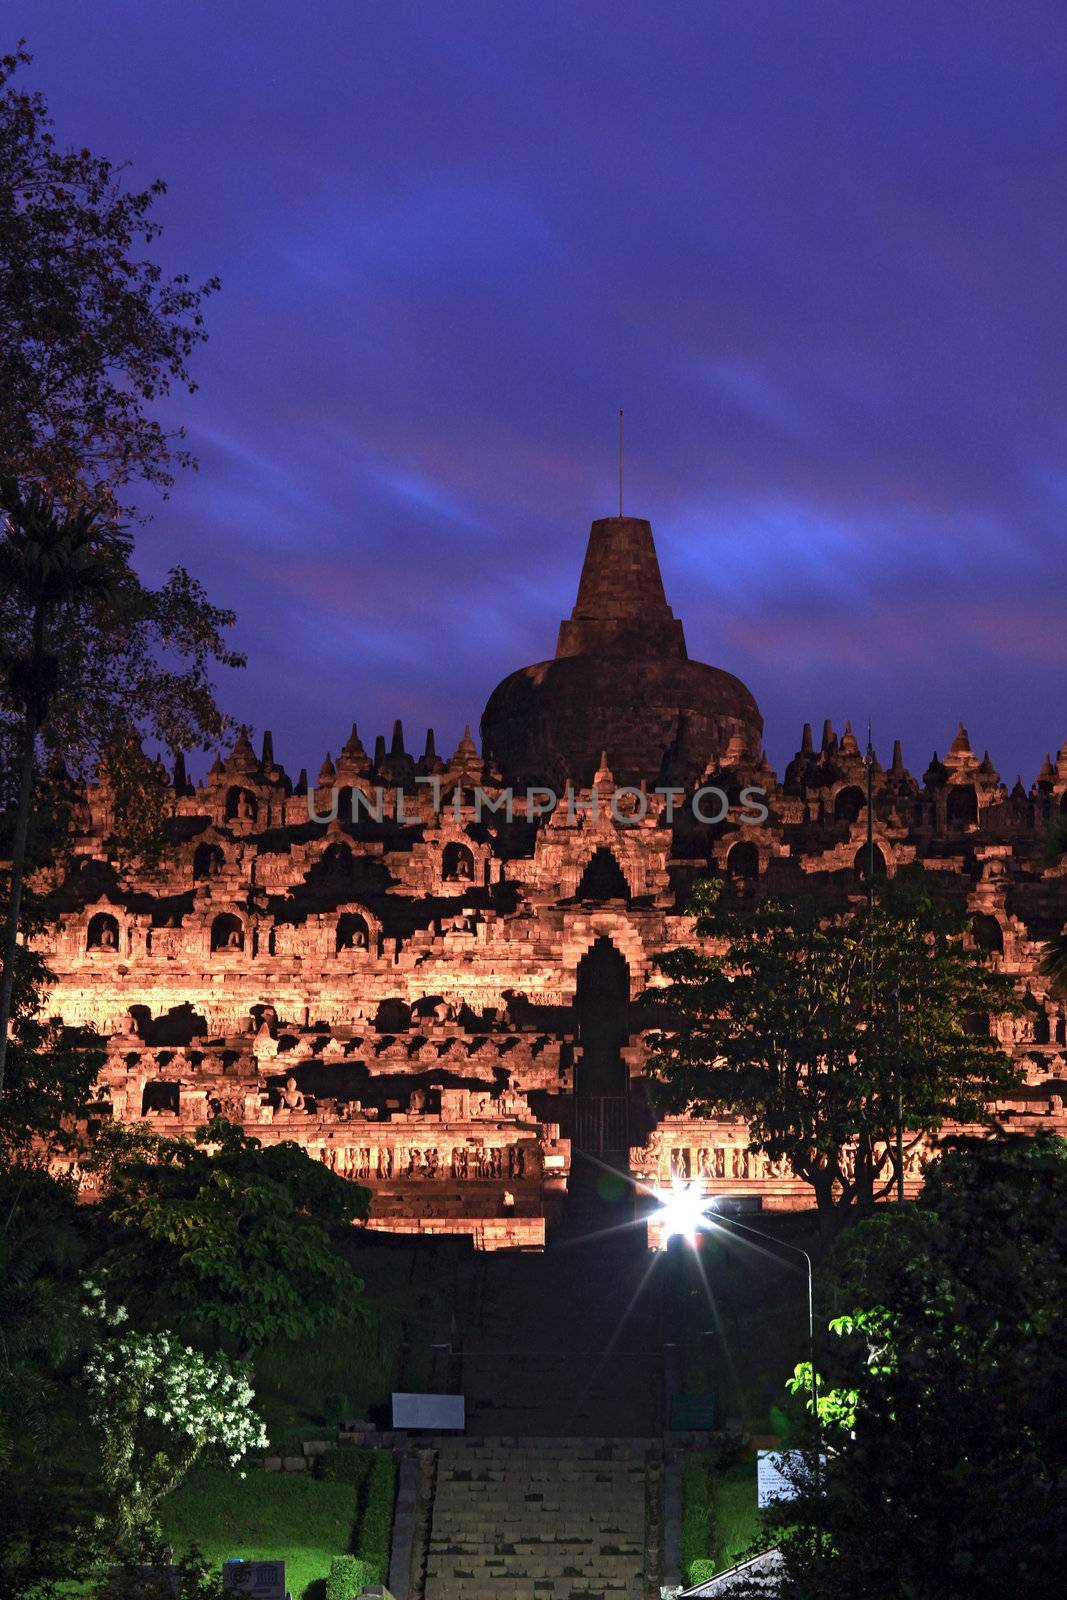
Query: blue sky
(815, 250)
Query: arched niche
(103, 933)
(241, 804)
(848, 803)
(352, 932)
(227, 932)
(961, 807)
(987, 933)
(208, 861)
(457, 863)
(742, 860)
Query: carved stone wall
(407, 930)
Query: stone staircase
(539, 1519)
(567, 1391)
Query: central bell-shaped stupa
(621, 681)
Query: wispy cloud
(816, 253)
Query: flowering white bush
(158, 1404)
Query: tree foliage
(157, 1405)
(91, 660)
(44, 1513)
(229, 1237)
(50, 1071)
(808, 1017)
(945, 1429)
(92, 333)
(99, 659)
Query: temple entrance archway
(601, 1087)
(869, 857)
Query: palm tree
(52, 564)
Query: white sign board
(772, 1474)
(438, 1412)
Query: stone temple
(437, 992)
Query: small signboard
(692, 1413)
(262, 1580)
(774, 1470)
(440, 1413)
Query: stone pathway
(545, 1498)
(538, 1519)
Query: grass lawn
(720, 1519)
(735, 1517)
(270, 1516)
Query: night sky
(815, 250)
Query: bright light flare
(682, 1212)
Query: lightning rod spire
(620, 461)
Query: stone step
(540, 1518)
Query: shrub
(700, 1571)
(376, 1518)
(372, 1474)
(349, 1576)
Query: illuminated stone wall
(392, 968)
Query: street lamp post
(686, 1212)
(783, 1244)
(898, 1078)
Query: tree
(91, 332)
(225, 1237)
(90, 659)
(48, 567)
(942, 1406)
(158, 1404)
(51, 1069)
(826, 1025)
(45, 1512)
